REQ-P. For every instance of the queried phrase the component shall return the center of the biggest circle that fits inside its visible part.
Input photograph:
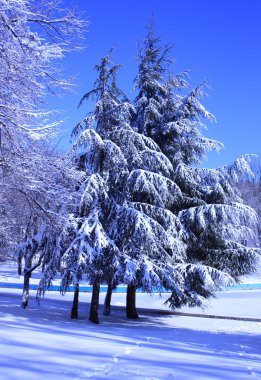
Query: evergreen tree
(147, 217)
(90, 252)
(123, 232)
(126, 229)
(210, 208)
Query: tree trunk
(19, 269)
(25, 296)
(74, 310)
(131, 311)
(107, 302)
(93, 317)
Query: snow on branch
(155, 188)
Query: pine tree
(210, 208)
(143, 220)
(147, 218)
(125, 230)
(125, 192)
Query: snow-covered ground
(44, 342)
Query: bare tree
(36, 184)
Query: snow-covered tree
(245, 173)
(126, 229)
(147, 217)
(91, 252)
(172, 118)
(210, 208)
(34, 37)
(46, 206)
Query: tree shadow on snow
(195, 353)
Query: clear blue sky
(218, 40)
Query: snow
(255, 277)
(246, 168)
(45, 343)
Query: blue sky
(218, 40)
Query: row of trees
(127, 205)
(148, 217)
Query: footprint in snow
(128, 350)
(241, 346)
(252, 372)
(115, 358)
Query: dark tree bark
(28, 269)
(131, 311)
(74, 310)
(107, 302)
(25, 296)
(19, 269)
(93, 317)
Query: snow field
(43, 342)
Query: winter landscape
(123, 254)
